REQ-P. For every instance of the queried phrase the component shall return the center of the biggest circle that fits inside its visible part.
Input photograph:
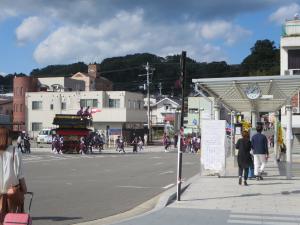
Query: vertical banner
(213, 145)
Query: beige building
(119, 109)
(61, 84)
(93, 80)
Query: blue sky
(37, 33)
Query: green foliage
(6, 82)
(60, 70)
(263, 60)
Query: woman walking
(244, 156)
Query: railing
(289, 30)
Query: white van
(44, 136)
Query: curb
(160, 202)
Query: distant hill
(127, 72)
(59, 70)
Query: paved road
(73, 188)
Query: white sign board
(213, 136)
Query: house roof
(176, 102)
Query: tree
(263, 60)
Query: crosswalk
(269, 219)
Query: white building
(290, 65)
(119, 109)
(199, 109)
(164, 110)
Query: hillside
(125, 71)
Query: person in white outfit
(12, 181)
(259, 144)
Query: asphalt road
(73, 188)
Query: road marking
(158, 163)
(32, 158)
(257, 219)
(136, 187)
(168, 186)
(166, 172)
(188, 163)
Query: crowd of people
(190, 143)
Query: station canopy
(275, 91)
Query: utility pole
(148, 68)
(159, 87)
(181, 133)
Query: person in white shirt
(12, 181)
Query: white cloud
(221, 29)
(3, 74)
(284, 12)
(31, 29)
(128, 33)
(6, 13)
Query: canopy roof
(276, 91)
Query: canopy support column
(253, 119)
(217, 112)
(276, 153)
(288, 137)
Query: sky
(37, 33)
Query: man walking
(259, 144)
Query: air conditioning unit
(292, 72)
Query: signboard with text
(213, 145)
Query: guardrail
(289, 30)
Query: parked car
(44, 136)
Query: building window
(89, 102)
(114, 103)
(37, 105)
(16, 107)
(21, 108)
(21, 91)
(193, 110)
(63, 106)
(51, 106)
(36, 126)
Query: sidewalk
(215, 201)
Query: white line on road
(158, 163)
(188, 163)
(166, 172)
(156, 157)
(275, 217)
(168, 186)
(137, 187)
(31, 158)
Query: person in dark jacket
(259, 144)
(244, 156)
